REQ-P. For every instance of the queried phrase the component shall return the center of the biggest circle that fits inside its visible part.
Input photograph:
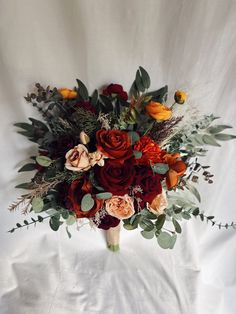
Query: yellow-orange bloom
(177, 169)
(180, 97)
(67, 93)
(158, 111)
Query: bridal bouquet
(110, 158)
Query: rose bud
(84, 138)
(158, 111)
(180, 97)
(67, 93)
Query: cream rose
(159, 203)
(97, 158)
(121, 207)
(77, 159)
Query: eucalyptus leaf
(68, 233)
(164, 240)
(43, 161)
(54, 223)
(173, 241)
(148, 234)
(218, 128)
(210, 140)
(160, 168)
(129, 227)
(87, 202)
(224, 137)
(104, 195)
(137, 154)
(134, 136)
(37, 204)
(146, 224)
(160, 221)
(177, 226)
(70, 220)
(194, 191)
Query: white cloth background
(187, 44)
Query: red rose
(151, 151)
(77, 190)
(114, 144)
(117, 90)
(115, 177)
(150, 184)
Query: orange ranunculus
(180, 97)
(158, 111)
(177, 169)
(151, 151)
(68, 93)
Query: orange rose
(180, 97)
(159, 203)
(77, 190)
(121, 207)
(177, 169)
(67, 93)
(151, 151)
(158, 111)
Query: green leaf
(26, 222)
(139, 82)
(146, 213)
(194, 191)
(24, 126)
(195, 212)
(37, 204)
(107, 104)
(186, 215)
(159, 95)
(133, 90)
(210, 140)
(82, 90)
(43, 161)
(18, 225)
(39, 124)
(145, 77)
(87, 202)
(65, 214)
(104, 195)
(70, 220)
(27, 167)
(148, 234)
(177, 226)
(218, 128)
(160, 221)
(160, 168)
(68, 233)
(173, 240)
(40, 219)
(164, 240)
(54, 223)
(146, 224)
(94, 98)
(129, 227)
(134, 137)
(137, 154)
(224, 137)
(26, 186)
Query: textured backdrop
(186, 44)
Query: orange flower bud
(67, 93)
(180, 97)
(158, 111)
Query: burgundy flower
(150, 184)
(108, 222)
(115, 177)
(117, 90)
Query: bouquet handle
(113, 238)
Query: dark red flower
(77, 190)
(117, 90)
(115, 177)
(108, 222)
(114, 144)
(150, 184)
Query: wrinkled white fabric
(187, 44)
